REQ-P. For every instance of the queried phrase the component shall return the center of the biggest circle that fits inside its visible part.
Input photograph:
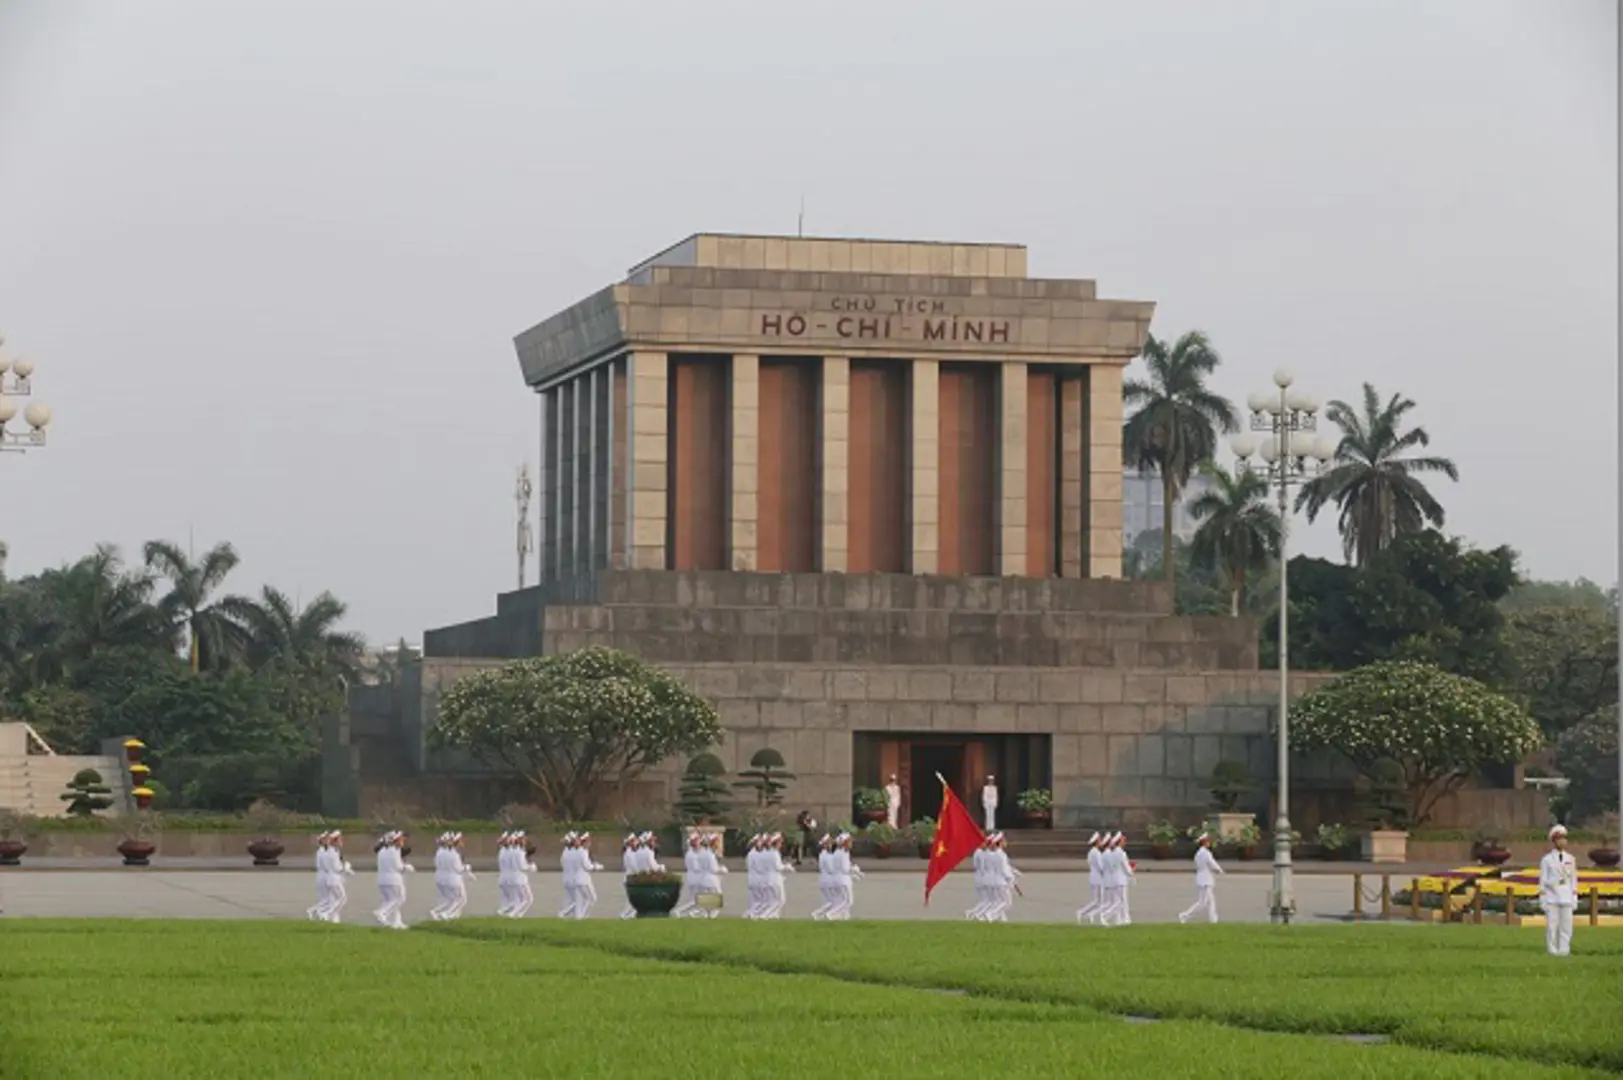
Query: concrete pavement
(281, 894)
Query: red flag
(956, 838)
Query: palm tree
(1239, 532)
(275, 630)
(1377, 488)
(1176, 422)
(210, 634)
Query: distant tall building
(1141, 506)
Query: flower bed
(1499, 889)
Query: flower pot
(137, 852)
(1036, 819)
(1161, 851)
(1492, 856)
(1332, 854)
(868, 817)
(1607, 857)
(881, 851)
(266, 852)
(924, 850)
(11, 852)
(1386, 846)
(654, 901)
(133, 749)
(1247, 853)
(1228, 825)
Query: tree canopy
(575, 724)
(93, 649)
(1438, 728)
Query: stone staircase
(33, 783)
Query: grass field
(229, 1000)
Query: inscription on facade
(881, 326)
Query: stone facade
(866, 496)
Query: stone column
(1104, 471)
(1011, 534)
(1073, 453)
(924, 502)
(835, 401)
(650, 435)
(743, 496)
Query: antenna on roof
(800, 224)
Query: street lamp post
(37, 416)
(1291, 454)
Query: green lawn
(230, 1000)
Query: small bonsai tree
(869, 800)
(1231, 782)
(767, 776)
(86, 794)
(702, 797)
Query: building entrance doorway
(964, 761)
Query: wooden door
(975, 766)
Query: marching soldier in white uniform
(337, 897)
(324, 876)
(845, 873)
(1206, 871)
(1002, 884)
(524, 868)
(506, 876)
(981, 874)
(755, 868)
(692, 874)
(1096, 889)
(392, 868)
(1558, 893)
(631, 862)
(827, 877)
(1114, 877)
(776, 867)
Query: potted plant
(265, 822)
(1334, 841)
(653, 893)
(1605, 856)
(869, 805)
(15, 831)
(881, 836)
(139, 829)
(1246, 840)
(1036, 808)
(924, 831)
(1387, 841)
(86, 794)
(1163, 834)
(1231, 783)
(1488, 851)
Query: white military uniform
(1206, 871)
(632, 862)
(893, 804)
(1113, 864)
(392, 868)
(1096, 889)
(989, 805)
(776, 867)
(983, 899)
(522, 868)
(691, 875)
(755, 868)
(1002, 874)
(709, 879)
(332, 907)
(1558, 896)
(845, 874)
(827, 878)
(323, 880)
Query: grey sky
(269, 258)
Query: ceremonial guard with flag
(956, 838)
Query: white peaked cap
(1094, 839)
(1558, 830)
(1203, 838)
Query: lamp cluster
(37, 416)
(1290, 451)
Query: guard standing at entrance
(989, 803)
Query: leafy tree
(1197, 590)
(767, 776)
(1438, 728)
(1564, 662)
(1426, 597)
(702, 796)
(1176, 420)
(573, 723)
(1374, 482)
(205, 715)
(211, 635)
(1239, 533)
(1586, 754)
(86, 794)
(1580, 593)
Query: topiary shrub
(87, 793)
(702, 797)
(767, 776)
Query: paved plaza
(284, 894)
